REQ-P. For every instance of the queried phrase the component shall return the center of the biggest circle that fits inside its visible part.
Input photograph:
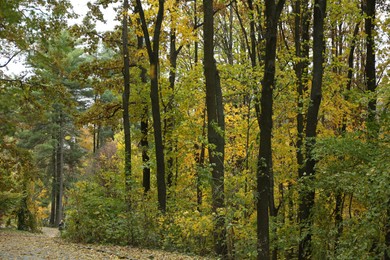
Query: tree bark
(144, 122)
(169, 139)
(145, 148)
(200, 159)
(125, 101)
(307, 194)
(215, 128)
(387, 234)
(153, 53)
(301, 34)
(53, 189)
(60, 169)
(339, 205)
(264, 164)
(370, 74)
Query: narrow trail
(48, 245)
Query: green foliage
(17, 189)
(359, 170)
(93, 217)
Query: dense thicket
(247, 129)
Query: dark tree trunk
(60, 169)
(387, 230)
(370, 76)
(301, 34)
(94, 137)
(200, 159)
(338, 217)
(53, 189)
(264, 164)
(125, 101)
(144, 124)
(307, 194)
(153, 53)
(145, 148)
(23, 214)
(161, 187)
(350, 72)
(215, 128)
(169, 139)
(302, 37)
(252, 48)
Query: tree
(307, 194)
(301, 41)
(54, 61)
(370, 68)
(153, 54)
(264, 165)
(215, 128)
(126, 97)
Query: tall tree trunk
(339, 205)
(54, 188)
(350, 70)
(153, 53)
(125, 101)
(215, 128)
(370, 76)
(170, 143)
(387, 233)
(302, 37)
(301, 34)
(144, 123)
(60, 168)
(200, 159)
(307, 194)
(264, 164)
(161, 186)
(145, 148)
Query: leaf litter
(48, 245)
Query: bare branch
(10, 59)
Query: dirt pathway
(48, 245)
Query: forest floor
(48, 245)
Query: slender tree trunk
(60, 169)
(301, 34)
(144, 123)
(161, 186)
(145, 148)
(350, 71)
(339, 205)
(153, 53)
(252, 48)
(53, 189)
(125, 101)
(291, 216)
(370, 73)
(200, 163)
(215, 128)
(264, 165)
(307, 194)
(387, 233)
(170, 143)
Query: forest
(237, 129)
